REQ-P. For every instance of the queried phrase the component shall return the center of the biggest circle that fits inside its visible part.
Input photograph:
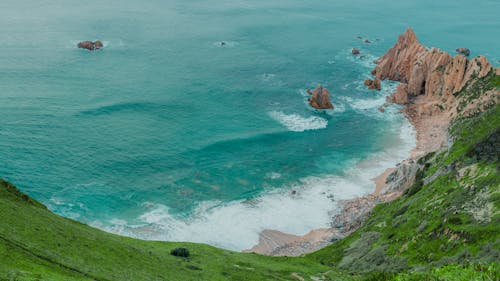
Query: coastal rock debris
(355, 51)
(463, 51)
(320, 98)
(373, 84)
(91, 46)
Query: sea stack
(320, 98)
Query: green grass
(35, 244)
(452, 219)
(447, 229)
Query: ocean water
(165, 134)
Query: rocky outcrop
(91, 46)
(430, 72)
(373, 84)
(320, 98)
(430, 83)
(355, 51)
(402, 177)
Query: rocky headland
(435, 89)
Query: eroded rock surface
(430, 72)
(320, 98)
(373, 84)
(430, 80)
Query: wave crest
(297, 123)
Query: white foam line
(297, 123)
(236, 225)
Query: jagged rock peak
(423, 71)
(408, 38)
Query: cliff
(430, 72)
(435, 90)
(431, 83)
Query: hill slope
(36, 244)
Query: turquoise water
(166, 134)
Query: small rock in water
(355, 51)
(463, 51)
(373, 84)
(320, 98)
(223, 43)
(98, 44)
(91, 46)
(367, 41)
(381, 109)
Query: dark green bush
(180, 252)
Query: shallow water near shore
(167, 134)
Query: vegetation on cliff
(449, 216)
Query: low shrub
(180, 252)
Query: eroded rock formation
(320, 98)
(430, 83)
(430, 72)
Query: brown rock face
(320, 98)
(430, 81)
(373, 84)
(423, 71)
(355, 51)
(98, 44)
(89, 45)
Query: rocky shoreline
(430, 81)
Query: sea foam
(295, 209)
(297, 123)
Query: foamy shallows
(297, 123)
(296, 209)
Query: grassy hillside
(449, 216)
(36, 244)
(446, 227)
